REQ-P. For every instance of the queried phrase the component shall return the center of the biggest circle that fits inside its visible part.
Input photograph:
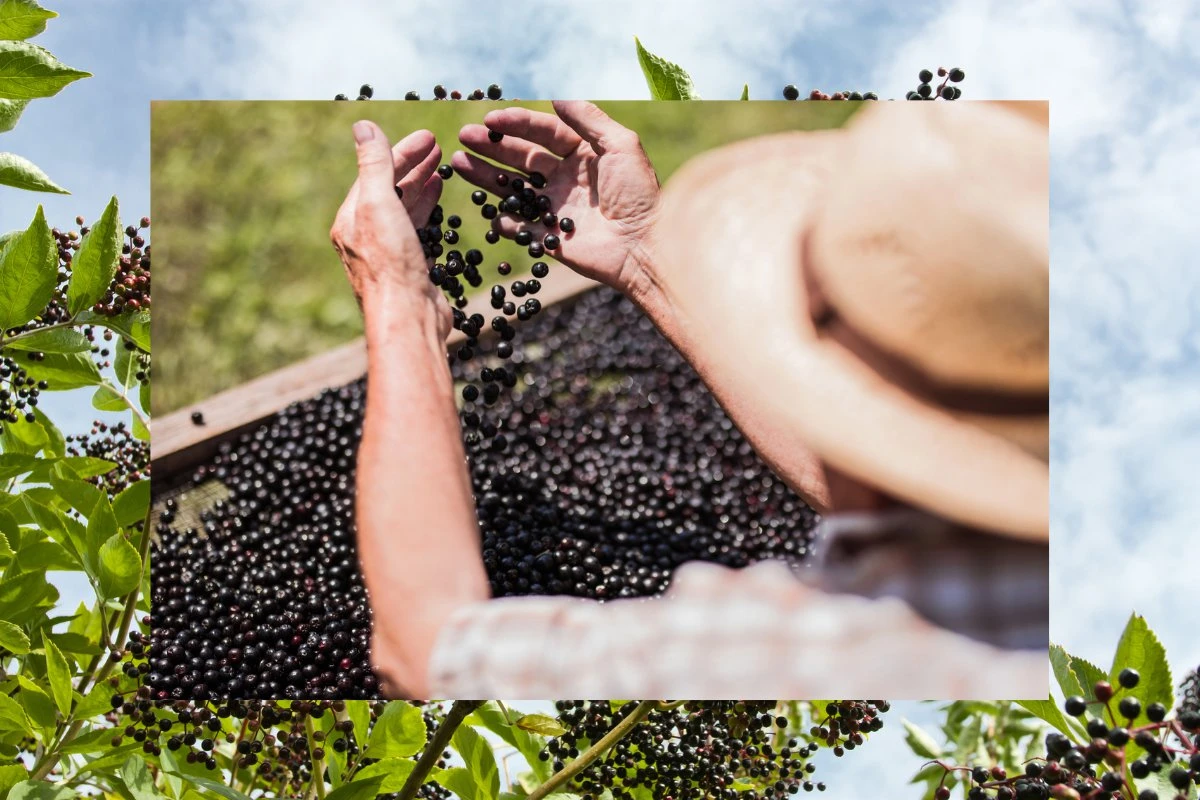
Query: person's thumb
(375, 171)
(595, 127)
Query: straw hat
(885, 289)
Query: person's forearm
(773, 439)
(417, 531)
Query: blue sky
(1125, 343)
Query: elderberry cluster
(693, 750)
(925, 89)
(618, 467)
(494, 92)
(129, 291)
(1096, 768)
(265, 740)
(115, 443)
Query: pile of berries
(115, 443)
(925, 89)
(493, 92)
(617, 465)
(1096, 768)
(700, 749)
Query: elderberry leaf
(480, 760)
(40, 790)
(23, 437)
(395, 772)
(51, 340)
(64, 371)
(22, 19)
(1049, 711)
(95, 263)
(540, 723)
(920, 742)
(14, 464)
(120, 567)
(134, 326)
(107, 398)
(58, 674)
(21, 173)
(126, 366)
(28, 272)
(399, 732)
(130, 507)
(463, 784)
(13, 717)
(216, 787)
(13, 639)
(28, 71)
(667, 80)
(138, 779)
(745, 92)
(10, 113)
(10, 776)
(490, 716)
(1140, 649)
(365, 789)
(56, 443)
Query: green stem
(54, 754)
(618, 732)
(5, 342)
(433, 751)
(317, 787)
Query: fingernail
(363, 131)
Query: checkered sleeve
(720, 633)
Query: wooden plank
(177, 444)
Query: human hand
(374, 231)
(597, 174)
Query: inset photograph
(628, 399)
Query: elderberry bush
(493, 92)
(1132, 750)
(611, 465)
(712, 749)
(926, 90)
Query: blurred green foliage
(244, 193)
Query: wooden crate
(178, 445)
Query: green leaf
(28, 273)
(21, 173)
(133, 325)
(399, 731)
(358, 711)
(138, 779)
(131, 506)
(64, 371)
(95, 264)
(540, 723)
(394, 771)
(28, 71)
(107, 398)
(667, 80)
(10, 776)
(217, 787)
(120, 567)
(37, 704)
(79, 495)
(745, 92)
(1087, 672)
(920, 742)
(13, 717)
(13, 639)
(528, 745)
(97, 703)
(88, 467)
(125, 366)
(364, 789)
(480, 761)
(140, 431)
(24, 598)
(462, 783)
(1140, 649)
(1068, 680)
(40, 790)
(58, 673)
(101, 526)
(51, 340)
(10, 113)
(56, 443)
(23, 437)
(14, 464)
(22, 19)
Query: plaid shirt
(897, 605)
